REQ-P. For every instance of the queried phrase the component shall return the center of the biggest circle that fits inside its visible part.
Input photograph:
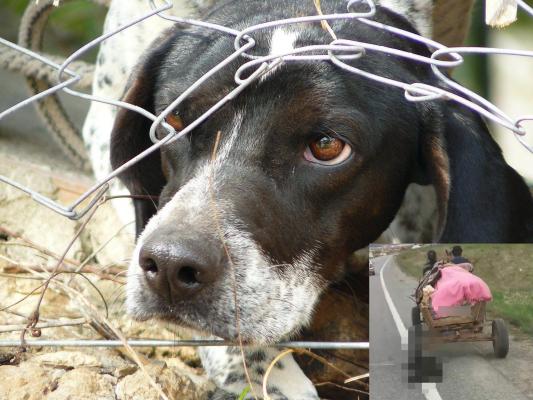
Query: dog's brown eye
(326, 148)
(174, 121)
(327, 151)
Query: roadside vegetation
(70, 26)
(506, 268)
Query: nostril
(178, 269)
(188, 275)
(149, 265)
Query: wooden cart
(472, 327)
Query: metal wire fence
(174, 343)
(338, 51)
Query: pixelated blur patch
(420, 367)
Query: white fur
(290, 380)
(120, 53)
(418, 12)
(282, 41)
(227, 144)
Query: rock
(187, 354)
(83, 384)
(44, 377)
(95, 374)
(20, 213)
(5, 358)
(121, 372)
(51, 230)
(67, 359)
(25, 382)
(107, 227)
(175, 385)
(111, 362)
(105, 361)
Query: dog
(260, 208)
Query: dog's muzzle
(202, 268)
(180, 269)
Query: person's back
(431, 260)
(457, 253)
(459, 260)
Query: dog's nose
(179, 269)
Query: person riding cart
(431, 260)
(451, 301)
(457, 253)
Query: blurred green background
(70, 26)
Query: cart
(472, 327)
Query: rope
(40, 77)
(15, 61)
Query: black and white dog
(313, 163)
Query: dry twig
(312, 355)
(216, 219)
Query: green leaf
(244, 393)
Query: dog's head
(312, 162)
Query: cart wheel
(415, 316)
(500, 338)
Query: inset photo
(451, 321)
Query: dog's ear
(130, 136)
(480, 197)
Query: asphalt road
(470, 370)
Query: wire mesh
(337, 51)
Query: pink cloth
(456, 287)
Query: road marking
(429, 390)
(402, 330)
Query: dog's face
(261, 205)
